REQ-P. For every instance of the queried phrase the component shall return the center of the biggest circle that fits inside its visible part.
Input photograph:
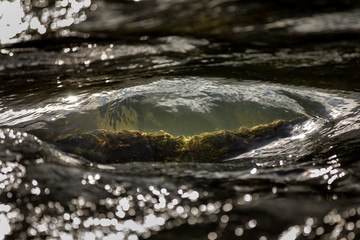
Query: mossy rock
(105, 146)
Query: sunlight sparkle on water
(11, 23)
(291, 234)
(308, 127)
(19, 21)
(71, 99)
(5, 226)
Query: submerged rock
(105, 146)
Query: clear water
(184, 67)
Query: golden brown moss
(106, 146)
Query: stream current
(184, 67)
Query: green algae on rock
(105, 146)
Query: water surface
(184, 67)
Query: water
(184, 67)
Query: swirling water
(184, 67)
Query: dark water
(184, 67)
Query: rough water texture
(185, 67)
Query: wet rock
(105, 146)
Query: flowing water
(184, 67)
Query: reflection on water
(86, 54)
(338, 21)
(184, 66)
(181, 106)
(193, 106)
